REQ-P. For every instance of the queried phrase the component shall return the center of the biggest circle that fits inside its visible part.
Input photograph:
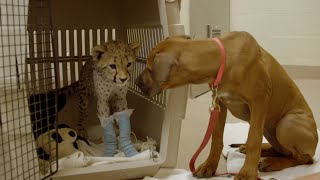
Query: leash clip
(214, 104)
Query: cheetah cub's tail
(63, 93)
(69, 90)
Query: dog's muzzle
(147, 85)
(139, 82)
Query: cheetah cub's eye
(129, 64)
(113, 66)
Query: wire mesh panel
(73, 48)
(148, 37)
(25, 117)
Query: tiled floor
(195, 123)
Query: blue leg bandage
(125, 142)
(110, 140)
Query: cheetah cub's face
(114, 60)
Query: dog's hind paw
(205, 170)
(266, 165)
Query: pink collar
(217, 81)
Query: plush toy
(64, 136)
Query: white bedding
(78, 159)
(237, 133)
(92, 155)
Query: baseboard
(302, 72)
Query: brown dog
(254, 88)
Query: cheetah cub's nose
(123, 79)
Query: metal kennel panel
(25, 43)
(78, 25)
(148, 38)
(76, 32)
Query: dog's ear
(97, 51)
(162, 64)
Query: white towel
(78, 159)
(177, 174)
(92, 156)
(171, 174)
(237, 133)
(92, 149)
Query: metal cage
(18, 152)
(44, 45)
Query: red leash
(214, 109)
(214, 115)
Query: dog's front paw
(205, 170)
(246, 175)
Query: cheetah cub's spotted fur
(106, 77)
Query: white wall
(196, 14)
(185, 15)
(288, 29)
(12, 41)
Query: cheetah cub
(106, 77)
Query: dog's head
(160, 62)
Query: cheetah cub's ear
(135, 46)
(98, 51)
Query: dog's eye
(113, 66)
(129, 64)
